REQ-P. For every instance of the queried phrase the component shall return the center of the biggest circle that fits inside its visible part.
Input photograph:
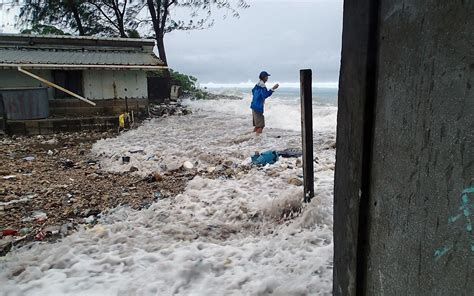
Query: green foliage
(39, 29)
(189, 84)
(116, 18)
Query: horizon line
(316, 84)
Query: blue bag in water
(267, 157)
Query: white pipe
(56, 86)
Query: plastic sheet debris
(29, 158)
(6, 232)
(290, 152)
(188, 165)
(40, 235)
(24, 231)
(157, 195)
(264, 158)
(39, 216)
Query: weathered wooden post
(307, 132)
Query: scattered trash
(53, 230)
(136, 151)
(39, 216)
(295, 181)
(90, 219)
(125, 159)
(90, 212)
(188, 165)
(7, 232)
(299, 163)
(158, 177)
(67, 163)
(50, 153)
(290, 152)
(264, 158)
(64, 230)
(210, 170)
(24, 231)
(29, 158)
(40, 235)
(157, 195)
(51, 142)
(91, 162)
(133, 169)
(5, 245)
(9, 177)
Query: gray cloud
(278, 36)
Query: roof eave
(82, 67)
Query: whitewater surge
(226, 236)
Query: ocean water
(283, 108)
(321, 96)
(224, 236)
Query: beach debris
(68, 196)
(53, 230)
(290, 152)
(39, 216)
(66, 163)
(90, 219)
(299, 163)
(264, 158)
(157, 195)
(133, 169)
(210, 170)
(136, 151)
(295, 181)
(5, 245)
(40, 235)
(24, 231)
(29, 158)
(92, 162)
(173, 108)
(53, 141)
(64, 230)
(125, 159)
(188, 165)
(50, 152)
(157, 177)
(7, 232)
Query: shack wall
(110, 84)
(16, 79)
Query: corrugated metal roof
(78, 57)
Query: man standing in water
(260, 93)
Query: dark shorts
(258, 119)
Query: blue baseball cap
(264, 74)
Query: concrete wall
(403, 205)
(99, 84)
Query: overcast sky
(279, 36)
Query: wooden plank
(55, 86)
(307, 132)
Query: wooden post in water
(307, 132)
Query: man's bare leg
(259, 130)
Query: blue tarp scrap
(264, 158)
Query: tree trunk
(161, 48)
(77, 17)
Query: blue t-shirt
(260, 93)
